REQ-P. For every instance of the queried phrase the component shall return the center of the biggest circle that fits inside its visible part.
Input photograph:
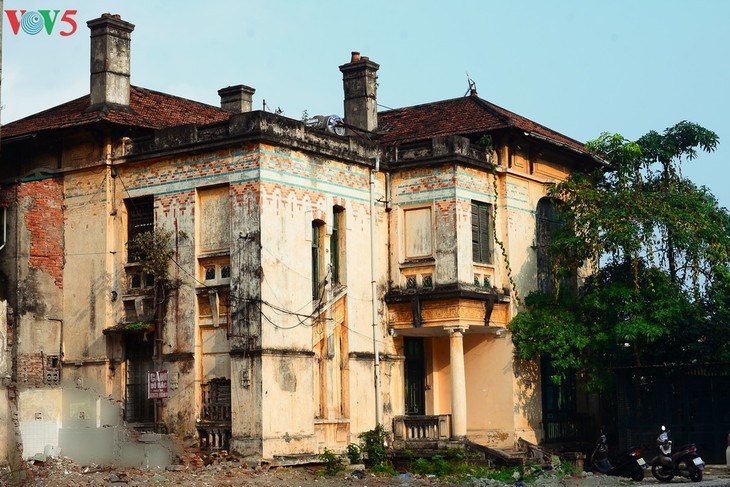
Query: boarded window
(418, 233)
(215, 219)
(481, 232)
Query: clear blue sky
(579, 67)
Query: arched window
(548, 221)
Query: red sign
(157, 384)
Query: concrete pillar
(458, 381)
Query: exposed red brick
(44, 221)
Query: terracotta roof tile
(460, 116)
(148, 109)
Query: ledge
(258, 352)
(447, 292)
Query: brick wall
(43, 201)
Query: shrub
(375, 445)
(332, 462)
(353, 453)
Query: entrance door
(137, 408)
(415, 376)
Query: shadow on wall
(528, 397)
(89, 430)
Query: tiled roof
(458, 116)
(148, 109)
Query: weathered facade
(277, 234)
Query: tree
(657, 247)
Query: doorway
(415, 376)
(138, 350)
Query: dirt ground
(63, 472)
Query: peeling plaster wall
(297, 189)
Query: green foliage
(375, 445)
(153, 251)
(332, 462)
(353, 453)
(488, 144)
(140, 325)
(659, 248)
(384, 468)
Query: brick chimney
(237, 99)
(110, 39)
(359, 81)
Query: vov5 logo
(34, 21)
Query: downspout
(373, 283)
(5, 227)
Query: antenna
(472, 90)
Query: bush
(375, 445)
(332, 462)
(353, 453)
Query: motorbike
(627, 463)
(685, 462)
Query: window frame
(406, 240)
(482, 240)
(318, 230)
(337, 246)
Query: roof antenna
(472, 86)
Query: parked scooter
(666, 465)
(628, 463)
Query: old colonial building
(318, 278)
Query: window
(337, 246)
(548, 222)
(418, 233)
(481, 232)
(317, 250)
(140, 218)
(214, 220)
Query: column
(458, 381)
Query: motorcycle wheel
(638, 475)
(696, 476)
(660, 474)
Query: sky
(579, 67)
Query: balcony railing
(409, 430)
(214, 426)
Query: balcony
(421, 432)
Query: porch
(426, 436)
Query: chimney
(237, 99)
(359, 81)
(110, 39)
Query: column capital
(456, 329)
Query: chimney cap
(232, 90)
(114, 20)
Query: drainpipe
(373, 275)
(5, 226)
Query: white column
(458, 381)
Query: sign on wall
(157, 384)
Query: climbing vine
(487, 143)
(154, 251)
